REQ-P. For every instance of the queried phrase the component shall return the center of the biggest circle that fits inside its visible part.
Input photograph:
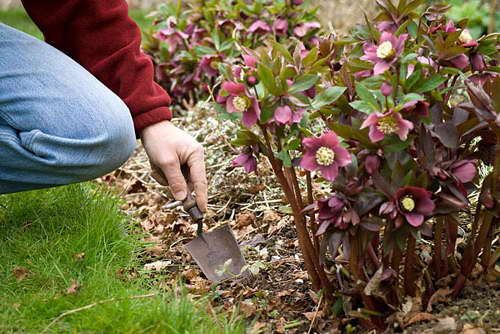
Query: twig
(315, 315)
(62, 315)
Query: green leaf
(411, 97)
(413, 79)
(293, 144)
(303, 83)
(429, 84)
(268, 79)
(285, 158)
(311, 57)
(362, 106)
(367, 96)
(328, 96)
(283, 50)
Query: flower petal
(375, 134)
(381, 67)
(283, 115)
(330, 139)
(308, 161)
(415, 219)
(342, 156)
(330, 172)
(233, 88)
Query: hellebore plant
(188, 41)
(396, 120)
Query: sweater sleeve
(100, 36)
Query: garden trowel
(216, 252)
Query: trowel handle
(190, 205)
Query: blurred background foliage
(340, 14)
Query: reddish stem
(409, 270)
(437, 255)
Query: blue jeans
(58, 123)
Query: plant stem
(409, 278)
(310, 200)
(304, 240)
(437, 255)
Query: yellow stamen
(408, 203)
(325, 156)
(385, 50)
(240, 103)
(387, 125)
(465, 36)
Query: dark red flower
(414, 203)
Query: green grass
(17, 18)
(42, 230)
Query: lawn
(68, 247)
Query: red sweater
(100, 36)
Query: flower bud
(297, 2)
(477, 62)
(386, 89)
(372, 164)
(252, 80)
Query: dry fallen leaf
(244, 219)
(248, 308)
(470, 329)
(74, 287)
(157, 265)
(445, 326)
(421, 316)
(440, 295)
(20, 273)
(79, 256)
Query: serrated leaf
(303, 83)
(367, 96)
(362, 106)
(268, 79)
(328, 96)
(429, 84)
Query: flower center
(465, 36)
(385, 50)
(325, 156)
(387, 125)
(240, 103)
(408, 203)
(214, 64)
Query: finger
(198, 177)
(172, 171)
(157, 174)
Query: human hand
(169, 148)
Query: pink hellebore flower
(247, 161)
(372, 164)
(386, 53)
(240, 101)
(250, 61)
(388, 26)
(464, 170)
(209, 65)
(330, 212)
(414, 204)
(386, 89)
(477, 62)
(173, 37)
(461, 61)
(280, 27)
(297, 2)
(324, 154)
(302, 29)
(386, 124)
(466, 39)
(418, 107)
(259, 27)
(285, 116)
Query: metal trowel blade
(212, 250)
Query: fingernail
(180, 196)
